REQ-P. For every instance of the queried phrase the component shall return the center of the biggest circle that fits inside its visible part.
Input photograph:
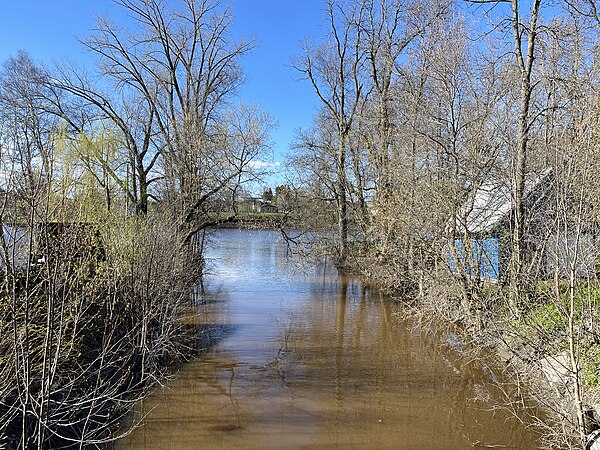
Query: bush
(88, 331)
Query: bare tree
(524, 41)
(166, 87)
(585, 8)
(391, 27)
(335, 71)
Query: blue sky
(48, 29)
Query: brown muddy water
(316, 361)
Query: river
(313, 360)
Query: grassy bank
(253, 221)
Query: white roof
(493, 201)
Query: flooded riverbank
(316, 361)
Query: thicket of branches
(105, 178)
(439, 118)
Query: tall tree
(335, 71)
(524, 33)
(391, 27)
(166, 86)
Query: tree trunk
(342, 203)
(518, 286)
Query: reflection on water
(315, 361)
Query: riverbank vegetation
(107, 177)
(457, 150)
(454, 159)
